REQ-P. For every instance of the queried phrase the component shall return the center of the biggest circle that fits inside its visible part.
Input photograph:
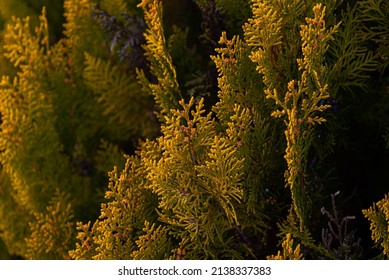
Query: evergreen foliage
(288, 252)
(55, 130)
(166, 91)
(236, 123)
(301, 102)
(378, 215)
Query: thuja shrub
(59, 132)
(243, 126)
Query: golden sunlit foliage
(221, 135)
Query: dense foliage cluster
(250, 129)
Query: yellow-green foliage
(154, 244)
(113, 89)
(166, 92)
(29, 143)
(53, 232)
(82, 34)
(378, 215)
(15, 8)
(121, 220)
(354, 59)
(15, 218)
(115, 7)
(54, 128)
(376, 12)
(204, 181)
(197, 180)
(31, 149)
(300, 80)
(198, 184)
(196, 171)
(245, 114)
(109, 155)
(289, 251)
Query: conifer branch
(166, 92)
(300, 103)
(378, 215)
